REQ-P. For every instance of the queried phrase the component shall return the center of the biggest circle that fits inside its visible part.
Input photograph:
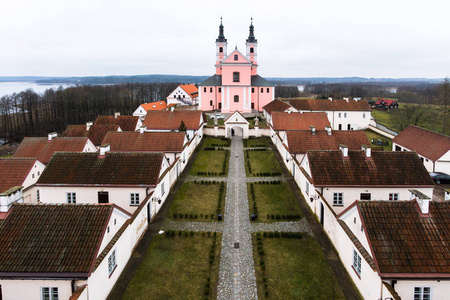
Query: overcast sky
(320, 38)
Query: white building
(141, 111)
(433, 148)
(185, 94)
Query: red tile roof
(403, 241)
(13, 171)
(126, 123)
(427, 143)
(384, 168)
(115, 169)
(96, 133)
(385, 101)
(48, 238)
(190, 89)
(298, 121)
(43, 150)
(146, 142)
(158, 105)
(171, 120)
(327, 105)
(276, 105)
(300, 141)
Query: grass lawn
(210, 161)
(384, 117)
(262, 141)
(177, 268)
(276, 199)
(210, 122)
(373, 135)
(261, 124)
(197, 199)
(261, 162)
(222, 142)
(294, 269)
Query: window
(134, 199)
(337, 199)
(357, 262)
(39, 173)
(112, 262)
(71, 198)
(210, 102)
(397, 148)
(253, 90)
(262, 90)
(220, 90)
(236, 77)
(32, 175)
(365, 196)
(210, 89)
(307, 188)
(345, 115)
(38, 196)
(220, 49)
(393, 197)
(204, 89)
(236, 57)
(251, 50)
(267, 89)
(236, 98)
(422, 293)
(49, 293)
(340, 126)
(162, 189)
(103, 197)
(364, 115)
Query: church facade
(236, 86)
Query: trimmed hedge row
(283, 217)
(255, 207)
(267, 174)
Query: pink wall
(244, 74)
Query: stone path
(193, 226)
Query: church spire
(251, 36)
(221, 37)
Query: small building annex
(184, 94)
(141, 111)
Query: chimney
(422, 200)
(142, 129)
(330, 98)
(346, 99)
(88, 125)
(344, 150)
(328, 129)
(116, 114)
(313, 130)
(103, 149)
(172, 108)
(51, 136)
(367, 150)
(289, 112)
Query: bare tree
(444, 95)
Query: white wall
(89, 147)
(31, 289)
(439, 290)
(34, 174)
(441, 165)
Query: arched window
(220, 49)
(251, 50)
(236, 98)
(236, 57)
(236, 77)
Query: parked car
(219, 116)
(440, 177)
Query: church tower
(252, 45)
(221, 48)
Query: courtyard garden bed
(292, 266)
(261, 163)
(198, 201)
(273, 201)
(216, 142)
(211, 163)
(178, 265)
(257, 142)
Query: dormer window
(236, 57)
(236, 77)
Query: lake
(8, 88)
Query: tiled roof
(385, 101)
(383, 168)
(404, 241)
(427, 143)
(259, 81)
(298, 121)
(76, 295)
(215, 80)
(48, 238)
(276, 105)
(42, 149)
(145, 142)
(126, 123)
(118, 168)
(171, 120)
(13, 171)
(300, 141)
(190, 89)
(327, 105)
(158, 105)
(96, 133)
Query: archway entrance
(236, 125)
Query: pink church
(236, 86)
